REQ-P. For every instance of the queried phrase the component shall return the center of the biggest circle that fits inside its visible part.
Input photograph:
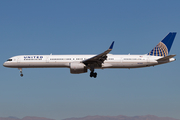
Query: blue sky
(88, 27)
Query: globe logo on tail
(159, 50)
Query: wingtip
(112, 44)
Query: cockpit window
(9, 60)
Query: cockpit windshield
(9, 60)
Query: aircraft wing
(166, 58)
(98, 59)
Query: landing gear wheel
(95, 75)
(21, 75)
(92, 74)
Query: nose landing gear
(21, 72)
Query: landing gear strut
(21, 72)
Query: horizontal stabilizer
(166, 58)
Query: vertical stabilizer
(163, 47)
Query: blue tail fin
(163, 48)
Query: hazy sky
(88, 27)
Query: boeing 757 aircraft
(81, 63)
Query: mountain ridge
(25, 118)
(122, 117)
(96, 117)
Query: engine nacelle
(76, 68)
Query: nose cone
(5, 64)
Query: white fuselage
(81, 63)
(64, 61)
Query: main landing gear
(93, 74)
(21, 72)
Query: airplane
(81, 63)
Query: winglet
(111, 47)
(100, 58)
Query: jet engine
(76, 68)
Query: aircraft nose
(5, 64)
